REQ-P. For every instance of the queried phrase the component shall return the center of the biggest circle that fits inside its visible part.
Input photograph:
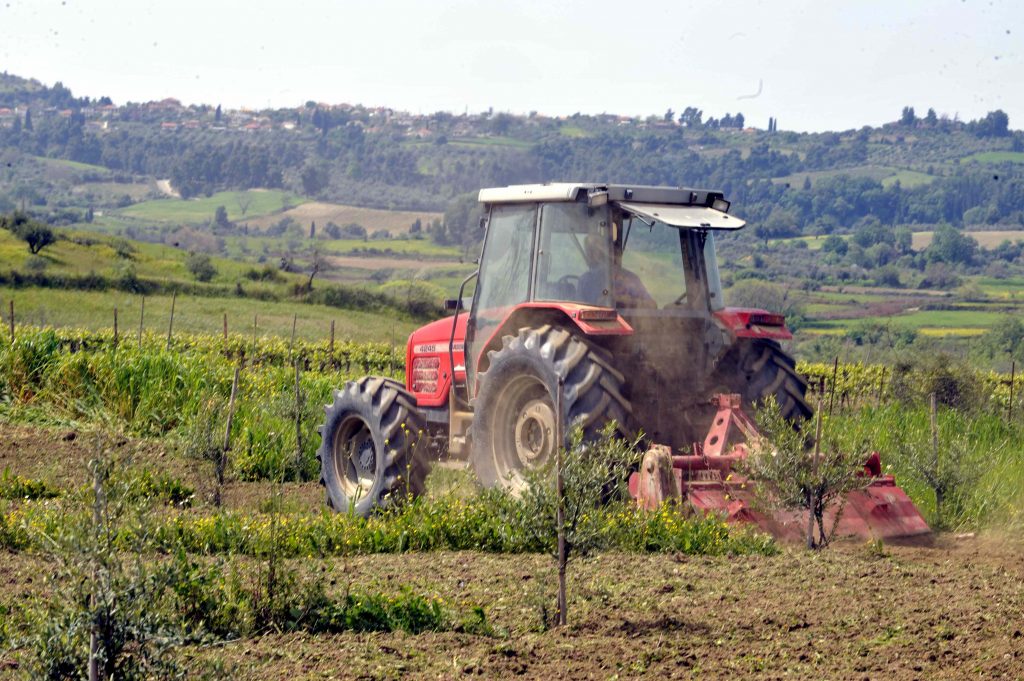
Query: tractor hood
(683, 217)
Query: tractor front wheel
(515, 419)
(370, 452)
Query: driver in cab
(628, 290)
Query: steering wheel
(569, 280)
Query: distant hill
(917, 170)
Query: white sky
(822, 64)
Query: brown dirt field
(948, 611)
(61, 458)
(395, 221)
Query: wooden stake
(11, 320)
(935, 453)
(225, 326)
(832, 396)
(563, 605)
(142, 318)
(291, 346)
(331, 346)
(115, 326)
(1009, 407)
(298, 424)
(814, 462)
(94, 639)
(254, 318)
(222, 462)
(170, 327)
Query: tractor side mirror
(453, 304)
(483, 222)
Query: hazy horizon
(813, 66)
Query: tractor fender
(589, 320)
(744, 322)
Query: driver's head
(595, 249)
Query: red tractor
(613, 289)
(611, 295)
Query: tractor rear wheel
(370, 454)
(758, 369)
(514, 422)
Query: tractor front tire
(760, 369)
(371, 453)
(514, 422)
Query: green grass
(471, 142)
(963, 322)
(908, 179)
(152, 261)
(202, 210)
(75, 165)
(573, 131)
(95, 310)
(996, 157)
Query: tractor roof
(675, 206)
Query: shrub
(200, 266)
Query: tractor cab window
(574, 254)
(504, 269)
(652, 265)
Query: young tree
(200, 266)
(797, 467)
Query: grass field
(928, 322)
(996, 157)
(884, 174)
(908, 179)
(261, 202)
(988, 239)
(95, 311)
(395, 221)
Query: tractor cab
(643, 252)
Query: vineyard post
(560, 500)
(298, 424)
(1009, 406)
(812, 502)
(115, 326)
(935, 452)
(225, 326)
(222, 460)
(881, 388)
(291, 346)
(391, 354)
(142, 318)
(832, 395)
(170, 327)
(254, 317)
(11, 320)
(331, 346)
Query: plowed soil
(951, 609)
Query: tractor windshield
(669, 267)
(652, 254)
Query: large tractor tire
(759, 368)
(514, 421)
(371, 448)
